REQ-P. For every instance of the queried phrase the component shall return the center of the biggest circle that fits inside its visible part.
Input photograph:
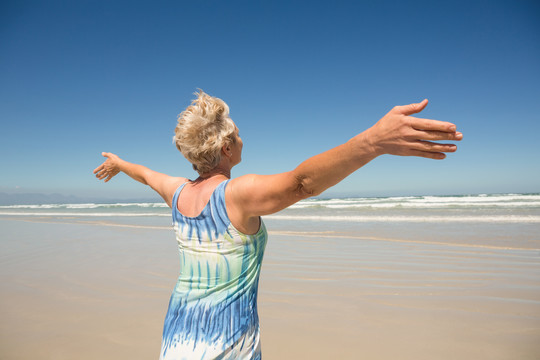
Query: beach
(340, 279)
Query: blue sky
(82, 77)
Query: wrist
(121, 164)
(369, 139)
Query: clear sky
(81, 77)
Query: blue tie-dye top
(213, 309)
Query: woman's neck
(218, 171)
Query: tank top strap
(218, 196)
(218, 208)
(174, 203)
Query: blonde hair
(202, 130)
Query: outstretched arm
(163, 184)
(397, 133)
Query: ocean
(482, 208)
(489, 220)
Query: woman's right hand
(398, 133)
(109, 168)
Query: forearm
(325, 170)
(135, 171)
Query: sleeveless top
(212, 312)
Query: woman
(212, 313)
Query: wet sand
(75, 289)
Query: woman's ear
(226, 150)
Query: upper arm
(256, 195)
(163, 184)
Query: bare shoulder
(255, 195)
(251, 186)
(174, 182)
(166, 186)
(237, 190)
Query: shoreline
(49, 219)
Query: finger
(428, 155)
(411, 108)
(432, 125)
(438, 135)
(98, 169)
(434, 147)
(106, 154)
(103, 174)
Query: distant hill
(38, 198)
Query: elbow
(303, 188)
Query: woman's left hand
(109, 168)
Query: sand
(99, 289)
